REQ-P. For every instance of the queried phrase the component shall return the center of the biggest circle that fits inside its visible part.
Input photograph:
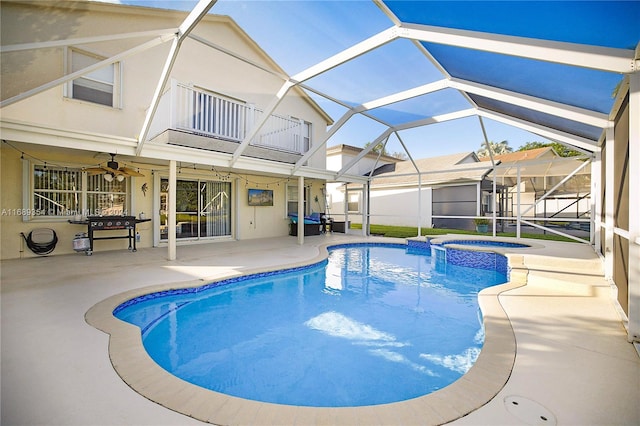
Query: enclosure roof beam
(549, 107)
(578, 142)
(169, 32)
(403, 96)
(196, 14)
(316, 147)
(352, 52)
(437, 119)
(50, 85)
(364, 152)
(594, 57)
(323, 66)
(262, 121)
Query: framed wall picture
(260, 197)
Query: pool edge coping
(473, 390)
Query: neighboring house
(339, 206)
(541, 170)
(451, 185)
(57, 143)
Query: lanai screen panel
(606, 24)
(548, 120)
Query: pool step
(591, 266)
(558, 275)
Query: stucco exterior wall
(196, 64)
(399, 207)
(247, 222)
(48, 118)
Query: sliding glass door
(203, 209)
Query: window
(99, 86)
(292, 200)
(301, 136)
(108, 198)
(56, 192)
(306, 137)
(64, 192)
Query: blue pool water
(373, 324)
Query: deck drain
(529, 411)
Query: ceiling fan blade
(130, 172)
(95, 170)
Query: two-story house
(100, 101)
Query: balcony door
(203, 209)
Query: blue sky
(298, 34)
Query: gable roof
(531, 154)
(354, 150)
(445, 169)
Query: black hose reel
(41, 241)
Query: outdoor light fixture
(109, 177)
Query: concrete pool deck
(573, 363)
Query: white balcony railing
(202, 112)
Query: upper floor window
(306, 136)
(100, 86)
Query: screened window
(56, 192)
(64, 192)
(108, 198)
(99, 86)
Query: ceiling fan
(113, 171)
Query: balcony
(198, 118)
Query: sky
(299, 34)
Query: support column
(236, 216)
(171, 205)
(518, 200)
(494, 201)
(609, 203)
(634, 207)
(596, 200)
(365, 213)
(346, 208)
(300, 210)
(419, 204)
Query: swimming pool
(371, 325)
